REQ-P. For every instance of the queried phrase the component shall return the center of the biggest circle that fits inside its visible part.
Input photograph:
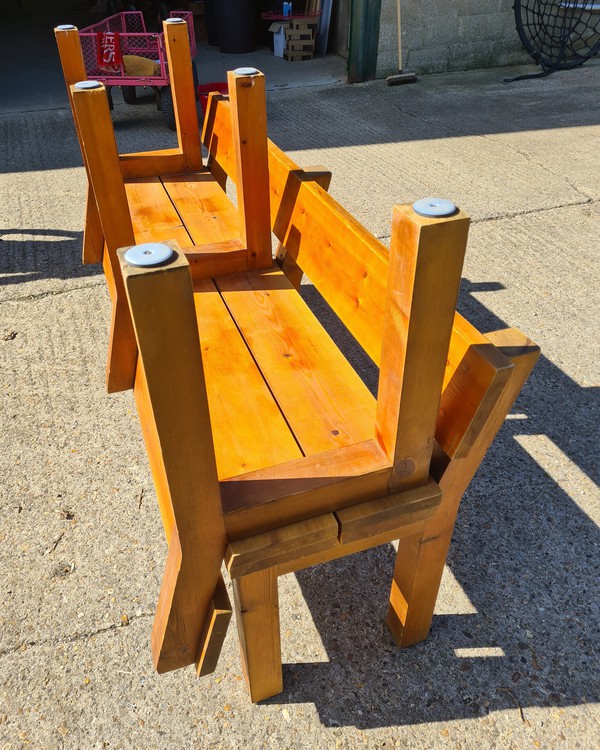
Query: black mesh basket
(559, 34)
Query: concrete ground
(512, 660)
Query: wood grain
(215, 627)
(177, 44)
(322, 176)
(205, 210)
(153, 216)
(324, 239)
(324, 401)
(421, 558)
(93, 236)
(162, 307)
(476, 373)
(152, 163)
(231, 375)
(217, 137)
(280, 545)
(214, 631)
(73, 67)
(153, 449)
(102, 163)
(342, 550)
(71, 57)
(295, 490)
(425, 265)
(248, 103)
(346, 263)
(159, 209)
(244, 354)
(217, 259)
(257, 615)
(388, 513)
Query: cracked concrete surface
(512, 659)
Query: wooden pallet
(302, 23)
(305, 46)
(297, 56)
(293, 35)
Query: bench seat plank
(324, 401)
(195, 213)
(208, 214)
(249, 431)
(153, 215)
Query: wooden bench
(266, 449)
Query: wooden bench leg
(101, 159)
(177, 45)
(421, 558)
(417, 576)
(93, 236)
(161, 302)
(248, 101)
(257, 616)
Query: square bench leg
(421, 559)
(257, 616)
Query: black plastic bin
(236, 22)
(264, 37)
(212, 28)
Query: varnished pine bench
(266, 448)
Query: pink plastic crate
(205, 89)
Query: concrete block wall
(438, 35)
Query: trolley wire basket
(129, 30)
(118, 51)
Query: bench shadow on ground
(525, 555)
(28, 255)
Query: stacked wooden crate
(300, 38)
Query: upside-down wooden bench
(266, 449)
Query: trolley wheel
(129, 94)
(166, 107)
